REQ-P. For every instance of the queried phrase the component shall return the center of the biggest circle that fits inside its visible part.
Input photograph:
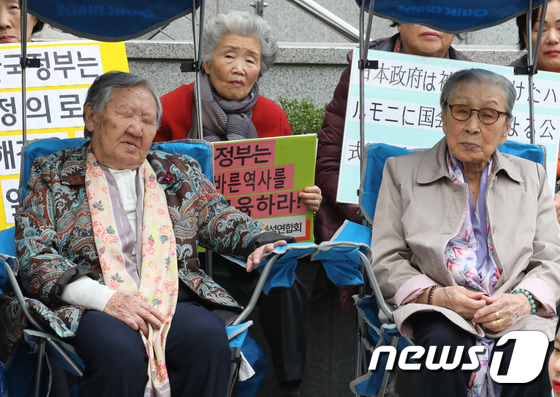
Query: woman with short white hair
(237, 49)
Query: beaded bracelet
(529, 296)
(431, 293)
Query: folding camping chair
(372, 330)
(45, 343)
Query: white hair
(244, 24)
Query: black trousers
(197, 354)
(434, 329)
(282, 318)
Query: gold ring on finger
(499, 322)
(497, 315)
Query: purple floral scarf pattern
(461, 260)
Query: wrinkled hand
(311, 197)
(256, 255)
(557, 205)
(134, 312)
(510, 307)
(459, 299)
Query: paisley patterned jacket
(55, 243)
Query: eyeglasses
(487, 116)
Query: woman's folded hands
(460, 300)
(495, 313)
(507, 308)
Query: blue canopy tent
(111, 20)
(451, 16)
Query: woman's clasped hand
(482, 309)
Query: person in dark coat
(549, 55)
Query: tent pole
(363, 55)
(530, 64)
(532, 57)
(23, 64)
(197, 48)
(365, 65)
(539, 38)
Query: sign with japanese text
(55, 95)
(262, 178)
(402, 109)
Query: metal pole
(367, 34)
(259, 7)
(363, 57)
(532, 58)
(23, 64)
(539, 38)
(257, 291)
(328, 18)
(197, 46)
(530, 64)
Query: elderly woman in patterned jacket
(108, 236)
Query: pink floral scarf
(158, 284)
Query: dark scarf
(223, 119)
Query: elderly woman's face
(424, 41)
(123, 133)
(554, 366)
(10, 22)
(235, 66)
(471, 141)
(549, 53)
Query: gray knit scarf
(224, 119)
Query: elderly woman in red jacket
(237, 49)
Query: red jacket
(331, 215)
(269, 118)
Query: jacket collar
(73, 170)
(433, 166)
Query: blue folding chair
(49, 348)
(373, 332)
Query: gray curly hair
(244, 24)
(101, 91)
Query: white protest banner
(63, 64)
(402, 109)
(55, 96)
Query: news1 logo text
(526, 363)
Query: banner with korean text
(402, 108)
(262, 178)
(54, 100)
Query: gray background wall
(311, 57)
